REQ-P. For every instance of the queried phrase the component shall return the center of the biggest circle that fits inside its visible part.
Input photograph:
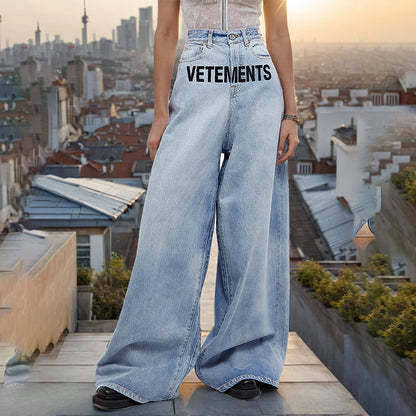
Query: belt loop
(209, 38)
(246, 40)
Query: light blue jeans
(227, 98)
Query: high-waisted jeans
(227, 98)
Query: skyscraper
(127, 34)
(145, 29)
(37, 36)
(75, 74)
(84, 20)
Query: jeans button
(232, 36)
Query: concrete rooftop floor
(61, 382)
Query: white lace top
(221, 14)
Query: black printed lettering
(267, 74)
(209, 71)
(218, 73)
(227, 74)
(241, 73)
(234, 75)
(250, 73)
(199, 73)
(259, 71)
(191, 74)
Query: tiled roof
(333, 219)
(78, 198)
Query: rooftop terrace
(61, 381)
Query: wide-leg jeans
(227, 98)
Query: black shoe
(265, 386)
(109, 399)
(246, 390)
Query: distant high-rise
(145, 28)
(127, 34)
(75, 74)
(37, 36)
(84, 20)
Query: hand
(289, 132)
(155, 135)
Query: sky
(322, 20)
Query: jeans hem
(236, 380)
(126, 392)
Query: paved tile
(301, 356)
(84, 346)
(62, 374)
(196, 399)
(71, 358)
(65, 399)
(310, 398)
(306, 373)
(294, 344)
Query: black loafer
(109, 399)
(265, 386)
(245, 390)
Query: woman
(232, 95)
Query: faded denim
(157, 339)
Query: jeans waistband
(224, 36)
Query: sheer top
(221, 14)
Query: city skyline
(321, 20)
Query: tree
(109, 288)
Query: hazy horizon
(320, 20)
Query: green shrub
(411, 193)
(340, 287)
(109, 289)
(84, 276)
(405, 297)
(348, 305)
(380, 318)
(321, 291)
(310, 273)
(406, 180)
(374, 292)
(389, 308)
(391, 316)
(401, 334)
(379, 265)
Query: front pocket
(259, 49)
(192, 51)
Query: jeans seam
(123, 390)
(224, 263)
(223, 268)
(237, 379)
(204, 262)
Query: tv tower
(84, 20)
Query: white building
(93, 122)
(329, 118)
(93, 82)
(357, 157)
(59, 126)
(143, 118)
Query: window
(304, 168)
(392, 98)
(83, 251)
(377, 98)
